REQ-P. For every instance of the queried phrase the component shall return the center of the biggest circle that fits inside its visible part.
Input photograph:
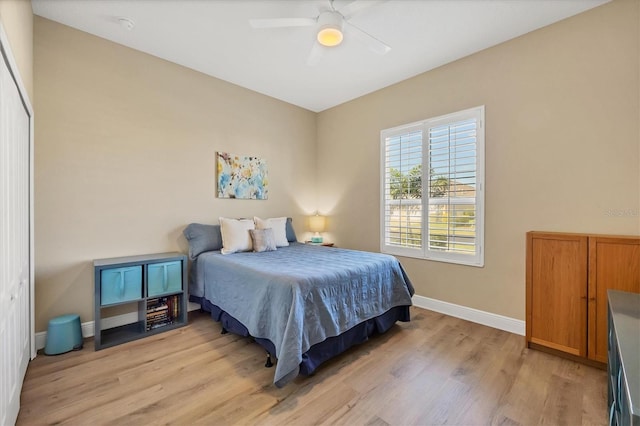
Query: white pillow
(279, 226)
(235, 235)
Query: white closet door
(15, 315)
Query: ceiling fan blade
(356, 6)
(282, 22)
(317, 51)
(372, 43)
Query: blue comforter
(300, 295)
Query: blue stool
(64, 334)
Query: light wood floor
(434, 370)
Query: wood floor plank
(434, 370)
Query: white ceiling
(214, 37)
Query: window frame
(424, 252)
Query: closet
(16, 271)
(568, 276)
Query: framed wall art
(242, 177)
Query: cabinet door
(614, 263)
(557, 291)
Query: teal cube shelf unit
(150, 288)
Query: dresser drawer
(120, 285)
(164, 278)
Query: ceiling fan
(331, 23)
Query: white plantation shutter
(402, 205)
(433, 188)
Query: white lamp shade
(316, 223)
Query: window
(444, 222)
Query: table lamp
(316, 224)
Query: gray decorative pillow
(202, 238)
(263, 239)
(291, 234)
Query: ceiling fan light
(330, 28)
(330, 36)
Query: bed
(303, 303)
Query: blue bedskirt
(320, 352)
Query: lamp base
(316, 239)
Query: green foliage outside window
(409, 185)
(405, 224)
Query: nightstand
(319, 244)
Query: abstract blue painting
(242, 177)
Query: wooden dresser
(568, 276)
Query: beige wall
(125, 147)
(562, 148)
(17, 20)
(124, 159)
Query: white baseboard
(474, 315)
(88, 328)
